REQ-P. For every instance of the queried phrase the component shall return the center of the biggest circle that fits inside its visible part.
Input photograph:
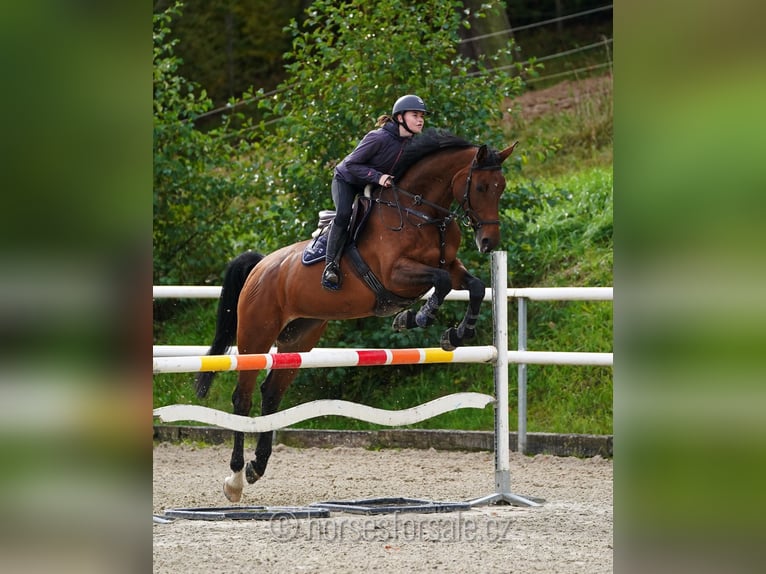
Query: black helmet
(409, 103)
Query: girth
(386, 303)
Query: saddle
(387, 303)
(360, 212)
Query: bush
(200, 178)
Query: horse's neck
(432, 178)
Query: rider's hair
(383, 120)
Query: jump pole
(322, 358)
(503, 494)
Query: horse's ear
(506, 152)
(481, 155)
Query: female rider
(372, 161)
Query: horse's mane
(427, 142)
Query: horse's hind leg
(242, 399)
(272, 391)
(299, 336)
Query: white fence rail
(531, 293)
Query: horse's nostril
(485, 244)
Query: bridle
(469, 215)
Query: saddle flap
(360, 212)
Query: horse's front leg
(242, 399)
(454, 336)
(426, 316)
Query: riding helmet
(409, 103)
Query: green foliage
(228, 46)
(559, 232)
(216, 192)
(576, 134)
(201, 179)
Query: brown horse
(409, 244)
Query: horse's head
(477, 188)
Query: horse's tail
(226, 323)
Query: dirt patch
(570, 533)
(563, 96)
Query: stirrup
(331, 277)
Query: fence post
(502, 494)
(522, 378)
(500, 319)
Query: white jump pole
(503, 494)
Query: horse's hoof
(250, 473)
(449, 340)
(404, 320)
(232, 494)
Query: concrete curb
(580, 445)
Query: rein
(469, 216)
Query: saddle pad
(315, 251)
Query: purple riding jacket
(375, 155)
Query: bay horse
(409, 244)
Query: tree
(229, 45)
(485, 32)
(200, 178)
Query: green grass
(566, 240)
(570, 140)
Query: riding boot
(331, 277)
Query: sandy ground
(571, 532)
